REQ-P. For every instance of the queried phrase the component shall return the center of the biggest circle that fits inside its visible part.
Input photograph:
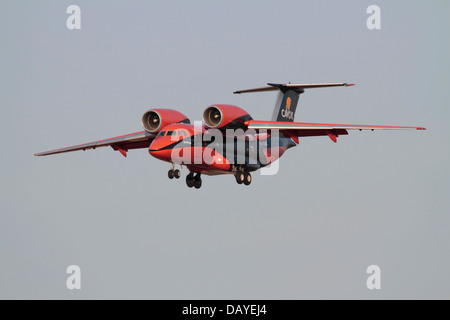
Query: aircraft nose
(153, 152)
(159, 154)
(158, 151)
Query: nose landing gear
(174, 173)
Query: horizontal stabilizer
(299, 87)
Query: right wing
(122, 144)
(299, 129)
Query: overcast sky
(311, 231)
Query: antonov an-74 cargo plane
(228, 141)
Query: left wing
(122, 144)
(299, 129)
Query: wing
(122, 144)
(298, 129)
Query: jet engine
(224, 116)
(156, 119)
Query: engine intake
(224, 116)
(156, 119)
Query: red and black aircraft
(228, 141)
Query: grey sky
(308, 232)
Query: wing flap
(122, 143)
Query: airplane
(228, 141)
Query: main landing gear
(243, 178)
(194, 180)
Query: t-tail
(288, 96)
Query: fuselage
(213, 152)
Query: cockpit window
(180, 133)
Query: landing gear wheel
(177, 174)
(197, 181)
(247, 178)
(198, 184)
(170, 174)
(190, 180)
(240, 177)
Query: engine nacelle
(225, 116)
(156, 119)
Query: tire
(247, 178)
(198, 184)
(170, 174)
(177, 174)
(190, 181)
(240, 177)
